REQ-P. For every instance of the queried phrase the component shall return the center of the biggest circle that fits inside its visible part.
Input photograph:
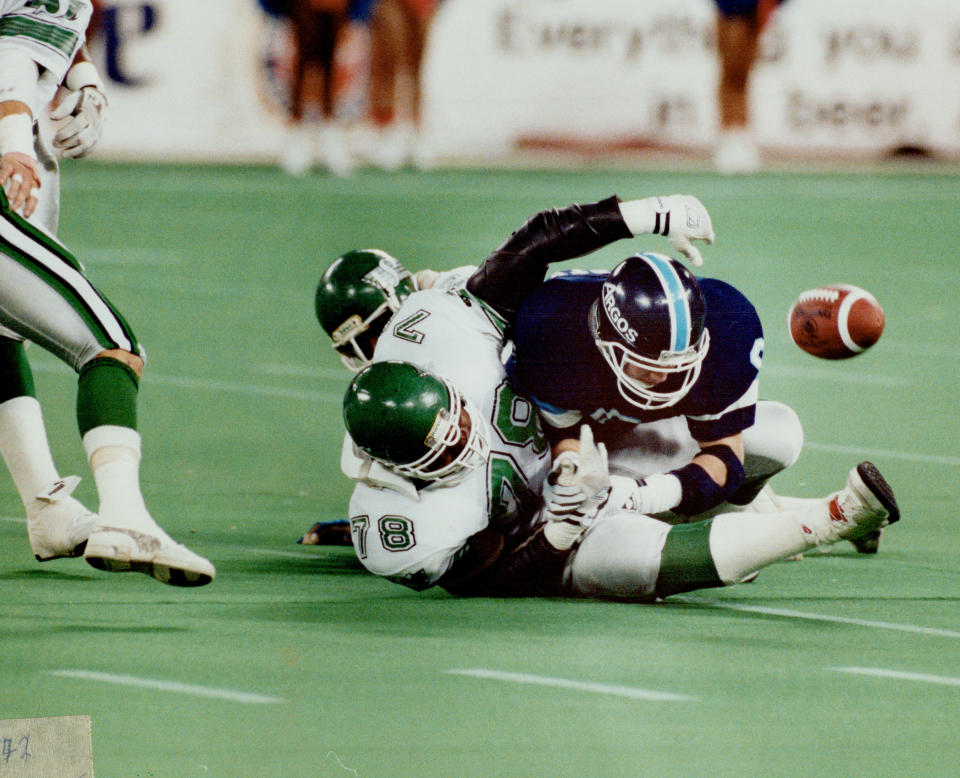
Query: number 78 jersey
(413, 537)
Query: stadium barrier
(206, 80)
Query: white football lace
(828, 295)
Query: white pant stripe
(28, 245)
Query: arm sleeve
(518, 266)
(532, 569)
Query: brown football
(836, 321)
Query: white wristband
(660, 492)
(83, 74)
(16, 134)
(640, 216)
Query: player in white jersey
(454, 335)
(45, 297)
(357, 294)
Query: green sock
(686, 562)
(107, 394)
(16, 378)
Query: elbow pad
(700, 491)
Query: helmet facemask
(445, 438)
(355, 338)
(682, 368)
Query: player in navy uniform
(651, 345)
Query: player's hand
(577, 488)
(681, 219)
(79, 121)
(578, 484)
(689, 221)
(20, 177)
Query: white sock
(25, 448)
(742, 543)
(114, 456)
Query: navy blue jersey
(556, 362)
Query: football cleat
(57, 524)
(868, 543)
(146, 549)
(864, 506)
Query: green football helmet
(356, 297)
(414, 422)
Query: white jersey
(446, 280)
(414, 537)
(50, 32)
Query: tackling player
(46, 297)
(356, 296)
(448, 470)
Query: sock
(106, 395)
(114, 456)
(742, 543)
(686, 561)
(24, 446)
(16, 377)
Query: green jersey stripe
(62, 40)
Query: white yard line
(897, 675)
(580, 686)
(883, 453)
(169, 686)
(792, 614)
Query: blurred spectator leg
(316, 24)
(398, 30)
(737, 37)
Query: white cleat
(147, 549)
(864, 506)
(57, 524)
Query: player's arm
(79, 113)
(714, 473)
(486, 569)
(579, 488)
(19, 170)
(519, 265)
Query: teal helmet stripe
(680, 324)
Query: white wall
(837, 75)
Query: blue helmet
(651, 318)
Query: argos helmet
(651, 317)
(355, 298)
(414, 422)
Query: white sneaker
(334, 151)
(57, 524)
(864, 506)
(736, 153)
(296, 156)
(393, 147)
(146, 549)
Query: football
(836, 321)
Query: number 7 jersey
(414, 536)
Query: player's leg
(631, 556)
(738, 32)
(729, 548)
(126, 537)
(771, 445)
(45, 296)
(57, 524)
